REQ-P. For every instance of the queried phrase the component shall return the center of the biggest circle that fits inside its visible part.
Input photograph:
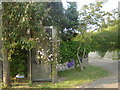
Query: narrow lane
(111, 81)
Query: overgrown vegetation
(22, 28)
(96, 27)
(18, 65)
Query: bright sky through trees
(107, 6)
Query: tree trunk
(6, 69)
(29, 67)
(83, 53)
(81, 66)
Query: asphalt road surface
(110, 81)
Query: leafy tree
(62, 18)
(103, 42)
(111, 19)
(55, 14)
(92, 18)
(71, 20)
(72, 15)
(22, 30)
(21, 23)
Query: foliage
(21, 24)
(84, 42)
(72, 15)
(106, 40)
(68, 48)
(71, 22)
(68, 51)
(18, 65)
(23, 30)
(91, 16)
(58, 16)
(17, 21)
(55, 15)
(112, 17)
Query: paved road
(111, 81)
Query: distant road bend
(111, 81)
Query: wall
(108, 56)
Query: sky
(107, 6)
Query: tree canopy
(107, 40)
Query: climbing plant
(21, 22)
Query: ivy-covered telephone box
(44, 56)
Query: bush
(68, 51)
(18, 62)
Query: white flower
(38, 51)
(50, 55)
(50, 38)
(38, 57)
(41, 56)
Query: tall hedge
(68, 51)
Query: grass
(73, 78)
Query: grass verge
(72, 78)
